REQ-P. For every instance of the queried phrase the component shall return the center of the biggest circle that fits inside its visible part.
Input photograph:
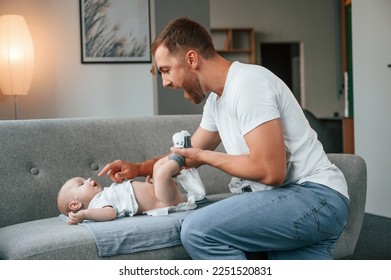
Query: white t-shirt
(120, 196)
(252, 96)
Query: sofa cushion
(48, 238)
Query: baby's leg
(166, 189)
(159, 163)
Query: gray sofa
(37, 156)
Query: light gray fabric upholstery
(354, 169)
(38, 156)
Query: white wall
(372, 97)
(64, 87)
(315, 23)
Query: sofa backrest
(38, 156)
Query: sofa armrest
(355, 171)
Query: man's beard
(193, 91)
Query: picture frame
(115, 31)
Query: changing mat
(138, 233)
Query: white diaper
(191, 181)
(163, 211)
(157, 211)
(190, 204)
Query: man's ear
(192, 59)
(75, 205)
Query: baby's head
(76, 194)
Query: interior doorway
(285, 60)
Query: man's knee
(186, 231)
(189, 223)
(191, 228)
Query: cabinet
(235, 43)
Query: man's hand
(191, 156)
(120, 170)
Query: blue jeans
(295, 221)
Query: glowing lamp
(16, 57)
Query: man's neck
(214, 74)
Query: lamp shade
(16, 55)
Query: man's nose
(166, 83)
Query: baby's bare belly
(145, 196)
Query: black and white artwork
(115, 31)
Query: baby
(84, 199)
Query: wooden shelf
(235, 43)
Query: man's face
(177, 74)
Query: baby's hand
(76, 217)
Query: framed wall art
(115, 31)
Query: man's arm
(119, 170)
(265, 163)
(205, 140)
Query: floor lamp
(16, 57)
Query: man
(292, 203)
